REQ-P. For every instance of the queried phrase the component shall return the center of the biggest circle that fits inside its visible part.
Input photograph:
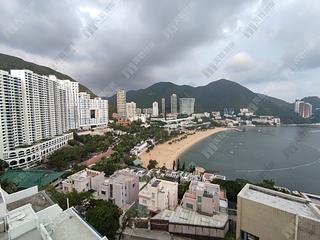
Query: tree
(182, 188)
(267, 184)
(104, 217)
(152, 164)
(9, 187)
(192, 168)
(230, 236)
(130, 214)
(183, 166)
(77, 200)
(108, 166)
(3, 165)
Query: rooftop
(190, 217)
(140, 233)
(71, 222)
(31, 215)
(313, 198)
(38, 202)
(123, 176)
(161, 183)
(292, 204)
(84, 174)
(209, 188)
(156, 183)
(29, 178)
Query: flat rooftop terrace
(72, 227)
(190, 217)
(38, 201)
(292, 204)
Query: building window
(247, 236)
(153, 195)
(92, 113)
(111, 191)
(103, 192)
(199, 199)
(189, 206)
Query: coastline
(165, 154)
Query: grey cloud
(99, 61)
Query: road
(96, 158)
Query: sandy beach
(166, 153)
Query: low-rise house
(159, 195)
(122, 188)
(139, 148)
(83, 181)
(202, 197)
(172, 175)
(199, 171)
(209, 177)
(188, 223)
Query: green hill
(214, 97)
(10, 62)
(314, 101)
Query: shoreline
(165, 154)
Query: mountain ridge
(313, 100)
(215, 96)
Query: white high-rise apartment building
(93, 112)
(163, 105)
(296, 106)
(121, 103)
(131, 110)
(174, 104)
(304, 109)
(155, 109)
(187, 105)
(72, 101)
(37, 113)
(33, 117)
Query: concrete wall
(118, 194)
(308, 229)
(10, 198)
(264, 222)
(198, 231)
(97, 181)
(207, 205)
(133, 190)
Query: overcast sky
(269, 46)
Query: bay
(288, 155)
